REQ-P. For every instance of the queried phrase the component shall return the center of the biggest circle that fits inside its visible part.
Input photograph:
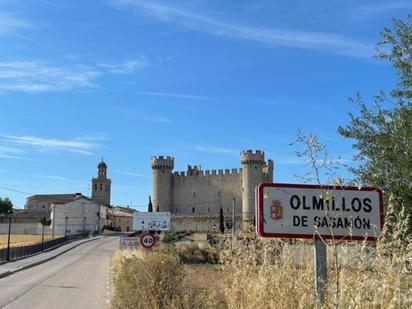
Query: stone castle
(194, 198)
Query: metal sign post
(321, 271)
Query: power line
(14, 190)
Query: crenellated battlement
(162, 162)
(207, 173)
(250, 157)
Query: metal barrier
(20, 251)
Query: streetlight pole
(65, 229)
(42, 234)
(8, 238)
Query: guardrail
(20, 251)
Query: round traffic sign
(147, 240)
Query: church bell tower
(101, 185)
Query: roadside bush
(157, 280)
(171, 237)
(197, 254)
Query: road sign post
(319, 213)
(321, 270)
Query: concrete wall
(24, 228)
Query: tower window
(193, 210)
(208, 209)
(194, 194)
(101, 187)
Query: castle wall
(195, 197)
(201, 223)
(207, 193)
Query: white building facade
(82, 215)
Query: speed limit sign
(147, 240)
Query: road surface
(78, 279)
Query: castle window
(208, 209)
(194, 194)
(193, 210)
(101, 187)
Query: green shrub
(171, 237)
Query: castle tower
(101, 185)
(162, 183)
(252, 175)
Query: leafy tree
(221, 221)
(382, 132)
(5, 205)
(45, 221)
(150, 207)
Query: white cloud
(218, 150)
(277, 37)
(11, 153)
(64, 179)
(126, 67)
(38, 76)
(132, 174)
(46, 144)
(153, 119)
(26, 76)
(9, 23)
(175, 95)
(52, 177)
(376, 8)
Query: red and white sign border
(142, 238)
(259, 211)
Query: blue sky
(198, 80)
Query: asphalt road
(78, 279)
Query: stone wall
(201, 223)
(206, 194)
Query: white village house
(82, 215)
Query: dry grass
(19, 240)
(261, 273)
